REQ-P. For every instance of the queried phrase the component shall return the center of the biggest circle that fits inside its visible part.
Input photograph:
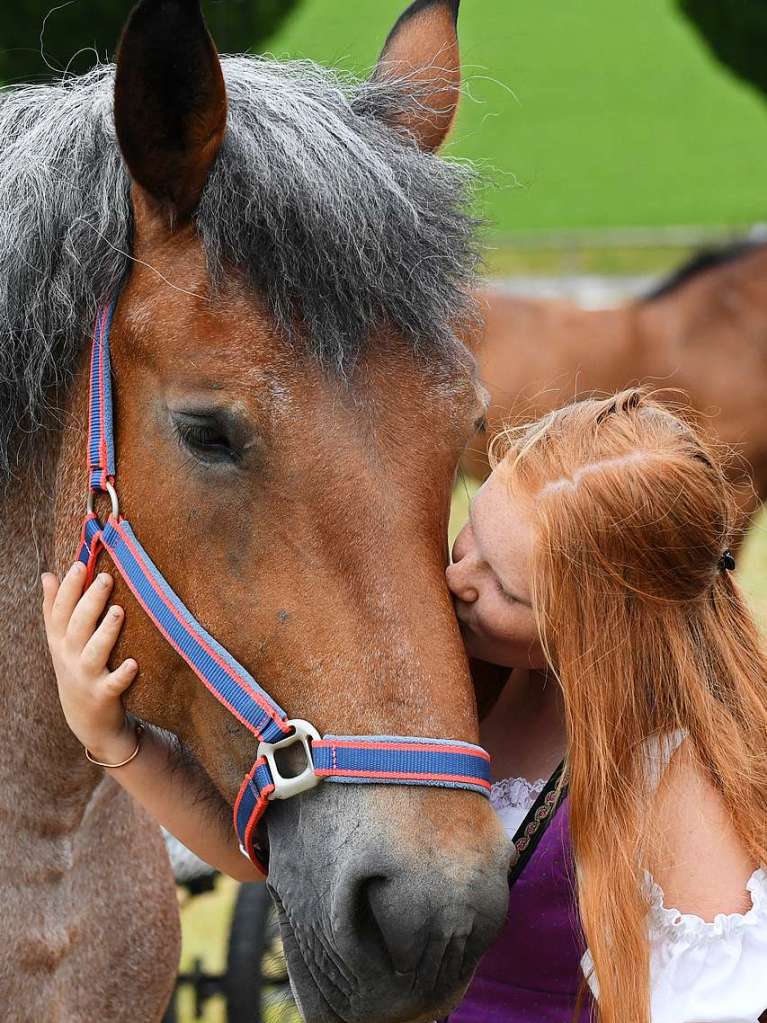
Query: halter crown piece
(376, 759)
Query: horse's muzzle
(380, 923)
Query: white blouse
(700, 972)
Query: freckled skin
(490, 579)
(521, 707)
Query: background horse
(293, 262)
(703, 331)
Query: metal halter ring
(112, 497)
(284, 788)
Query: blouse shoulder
(714, 970)
(669, 925)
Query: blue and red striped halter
(378, 759)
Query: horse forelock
(338, 220)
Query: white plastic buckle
(284, 788)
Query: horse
(701, 332)
(294, 264)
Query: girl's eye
(508, 597)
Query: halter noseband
(377, 759)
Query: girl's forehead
(498, 504)
(502, 525)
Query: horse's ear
(170, 102)
(422, 49)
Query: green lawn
(205, 928)
(583, 115)
(753, 569)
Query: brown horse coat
(701, 339)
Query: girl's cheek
(504, 625)
(523, 634)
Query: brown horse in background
(702, 332)
(292, 262)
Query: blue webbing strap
(222, 675)
(409, 760)
(361, 759)
(101, 453)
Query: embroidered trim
(536, 822)
(531, 829)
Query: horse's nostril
(389, 911)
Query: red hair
(648, 634)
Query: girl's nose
(460, 583)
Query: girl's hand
(90, 694)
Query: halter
(371, 759)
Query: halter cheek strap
(387, 760)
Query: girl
(595, 572)
(596, 566)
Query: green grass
(205, 930)
(752, 569)
(583, 115)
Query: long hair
(648, 634)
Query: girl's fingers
(65, 601)
(98, 648)
(50, 584)
(121, 678)
(89, 609)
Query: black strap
(533, 827)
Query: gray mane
(340, 221)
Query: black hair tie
(727, 561)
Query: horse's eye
(480, 425)
(206, 437)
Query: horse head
(300, 262)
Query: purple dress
(532, 973)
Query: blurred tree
(71, 34)
(736, 31)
